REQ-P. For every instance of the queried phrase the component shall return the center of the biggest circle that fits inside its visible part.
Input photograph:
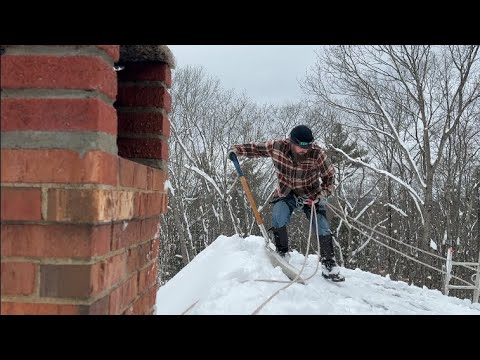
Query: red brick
(112, 50)
(140, 176)
(108, 273)
(99, 307)
(143, 305)
(164, 204)
(134, 258)
(148, 204)
(98, 276)
(138, 306)
(21, 203)
(55, 240)
(139, 256)
(132, 174)
(126, 172)
(122, 296)
(150, 228)
(150, 175)
(144, 96)
(58, 166)
(116, 269)
(65, 281)
(58, 115)
(147, 72)
(147, 278)
(58, 72)
(143, 123)
(156, 248)
(142, 148)
(11, 308)
(89, 205)
(155, 271)
(159, 178)
(18, 278)
(126, 234)
(152, 299)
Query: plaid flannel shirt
(301, 177)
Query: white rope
(466, 265)
(395, 250)
(190, 307)
(339, 214)
(267, 280)
(313, 215)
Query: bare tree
(433, 86)
(409, 102)
(205, 121)
(415, 109)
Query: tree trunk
(177, 217)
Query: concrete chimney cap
(147, 53)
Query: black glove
(232, 155)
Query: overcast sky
(267, 73)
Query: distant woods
(400, 123)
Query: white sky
(221, 280)
(266, 73)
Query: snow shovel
(275, 258)
(234, 159)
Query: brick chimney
(80, 225)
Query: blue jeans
(284, 207)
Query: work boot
(281, 240)
(330, 270)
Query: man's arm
(262, 149)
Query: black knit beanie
(302, 136)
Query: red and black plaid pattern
(300, 174)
